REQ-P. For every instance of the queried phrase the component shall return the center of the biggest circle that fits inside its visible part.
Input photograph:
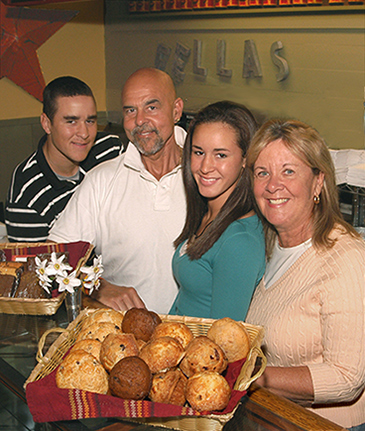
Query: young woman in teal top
(220, 254)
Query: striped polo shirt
(36, 196)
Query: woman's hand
(294, 383)
(118, 297)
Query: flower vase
(73, 302)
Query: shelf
(359, 191)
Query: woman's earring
(316, 200)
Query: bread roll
(169, 387)
(202, 354)
(105, 315)
(116, 347)
(232, 337)
(130, 378)
(208, 391)
(162, 353)
(97, 331)
(176, 330)
(90, 346)
(140, 322)
(80, 370)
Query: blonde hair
(305, 143)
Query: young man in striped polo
(42, 185)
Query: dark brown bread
(130, 378)
(7, 283)
(140, 322)
(29, 287)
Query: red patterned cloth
(48, 403)
(76, 250)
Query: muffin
(169, 387)
(130, 378)
(116, 347)
(97, 331)
(232, 337)
(162, 353)
(80, 370)
(90, 346)
(105, 315)
(207, 391)
(140, 322)
(140, 344)
(176, 330)
(202, 354)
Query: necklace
(205, 228)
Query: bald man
(133, 207)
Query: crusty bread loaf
(7, 284)
(29, 286)
(11, 268)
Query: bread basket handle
(242, 383)
(42, 341)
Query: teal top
(221, 283)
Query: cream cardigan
(314, 315)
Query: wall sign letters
(182, 54)
(251, 61)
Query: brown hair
(63, 86)
(305, 143)
(240, 202)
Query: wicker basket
(199, 326)
(38, 306)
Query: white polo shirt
(132, 219)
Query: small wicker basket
(39, 306)
(199, 326)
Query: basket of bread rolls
(20, 290)
(179, 372)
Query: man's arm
(118, 297)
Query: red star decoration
(23, 31)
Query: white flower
(55, 269)
(93, 272)
(45, 282)
(67, 281)
(56, 266)
(91, 285)
(41, 267)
